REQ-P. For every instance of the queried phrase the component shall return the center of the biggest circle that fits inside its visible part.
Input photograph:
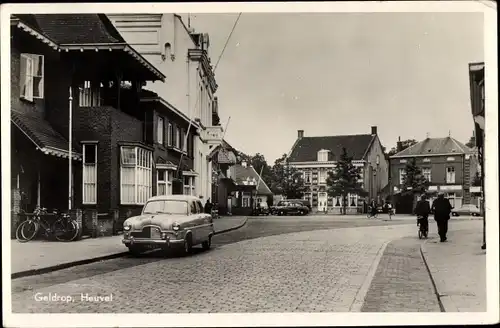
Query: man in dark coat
(208, 207)
(442, 209)
(422, 210)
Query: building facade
(314, 157)
(446, 163)
(183, 55)
(75, 78)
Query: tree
(476, 181)
(404, 144)
(287, 180)
(258, 161)
(472, 142)
(414, 182)
(344, 180)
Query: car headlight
(126, 228)
(176, 226)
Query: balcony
(212, 135)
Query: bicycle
(391, 213)
(423, 229)
(63, 229)
(369, 214)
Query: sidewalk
(458, 269)
(37, 257)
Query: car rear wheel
(301, 213)
(207, 244)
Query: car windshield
(166, 207)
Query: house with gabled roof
(446, 163)
(74, 80)
(315, 156)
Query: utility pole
(70, 146)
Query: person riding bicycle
(373, 208)
(422, 210)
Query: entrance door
(322, 201)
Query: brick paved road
(315, 271)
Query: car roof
(175, 197)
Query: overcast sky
(340, 73)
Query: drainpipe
(70, 145)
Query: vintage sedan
(466, 209)
(167, 222)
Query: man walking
(442, 209)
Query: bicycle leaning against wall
(62, 229)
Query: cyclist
(422, 210)
(389, 209)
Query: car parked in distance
(169, 222)
(466, 209)
(261, 208)
(286, 207)
(303, 202)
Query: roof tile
(435, 146)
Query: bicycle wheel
(420, 234)
(27, 230)
(65, 230)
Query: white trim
(190, 173)
(37, 35)
(428, 155)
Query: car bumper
(160, 243)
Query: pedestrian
(373, 208)
(208, 207)
(422, 210)
(441, 208)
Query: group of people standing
(441, 207)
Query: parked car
(466, 209)
(303, 202)
(289, 208)
(261, 209)
(169, 222)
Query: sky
(341, 73)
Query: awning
(166, 166)
(43, 136)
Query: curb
(34, 272)
(231, 229)
(440, 302)
(66, 265)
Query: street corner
(227, 224)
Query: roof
(174, 197)
(80, 32)
(435, 147)
(241, 174)
(74, 28)
(41, 133)
(306, 148)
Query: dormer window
(323, 155)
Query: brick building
(316, 156)
(78, 64)
(447, 164)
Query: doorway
(322, 201)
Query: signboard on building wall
(450, 188)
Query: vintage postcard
(249, 164)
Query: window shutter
(26, 77)
(165, 132)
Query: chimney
(374, 130)
(399, 145)
(244, 163)
(300, 134)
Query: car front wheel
(135, 250)
(207, 244)
(188, 246)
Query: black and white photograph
(249, 164)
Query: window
(181, 138)
(307, 177)
(322, 176)
(189, 185)
(402, 174)
(427, 174)
(170, 134)
(160, 130)
(177, 143)
(89, 173)
(166, 206)
(194, 208)
(164, 182)
(323, 155)
(31, 76)
(89, 94)
(353, 200)
(246, 201)
(450, 174)
(136, 175)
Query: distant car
(302, 201)
(466, 209)
(290, 208)
(166, 222)
(261, 209)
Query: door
(322, 201)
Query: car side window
(200, 207)
(194, 208)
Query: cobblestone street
(309, 271)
